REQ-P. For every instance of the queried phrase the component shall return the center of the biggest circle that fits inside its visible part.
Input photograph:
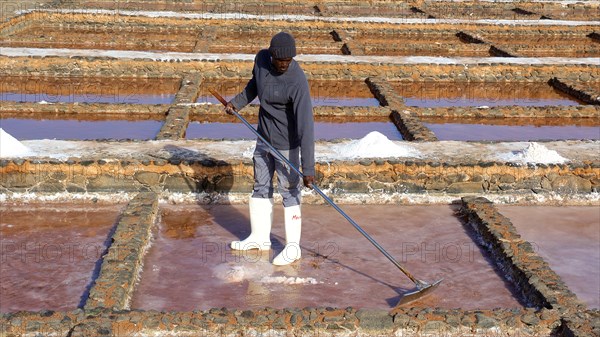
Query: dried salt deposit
(231, 273)
(374, 145)
(11, 147)
(288, 280)
(534, 153)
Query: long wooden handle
(219, 97)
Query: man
(285, 119)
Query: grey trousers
(288, 181)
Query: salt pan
(374, 145)
(11, 147)
(534, 153)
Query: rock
(147, 178)
(506, 179)
(409, 188)
(180, 183)
(465, 187)
(530, 319)
(374, 319)
(485, 322)
(571, 184)
(50, 186)
(230, 183)
(107, 183)
(401, 319)
(437, 327)
(436, 184)
(10, 180)
(279, 323)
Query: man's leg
(288, 183)
(260, 203)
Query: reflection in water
(24, 129)
(567, 237)
(339, 267)
(49, 253)
(456, 94)
(323, 93)
(482, 132)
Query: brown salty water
(568, 238)
(322, 92)
(190, 265)
(482, 131)
(49, 254)
(73, 129)
(456, 94)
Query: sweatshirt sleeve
(304, 118)
(248, 94)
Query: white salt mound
(374, 145)
(11, 147)
(534, 153)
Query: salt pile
(534, 153)
(11, 147)
(374, 145)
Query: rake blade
(422, 289)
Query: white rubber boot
(293, 227)
(261, 217)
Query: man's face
(281, 65)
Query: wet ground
(50, 253)
(568, 238)
(191, 267)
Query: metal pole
(420, 284)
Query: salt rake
(422, 288)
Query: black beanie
(282, 46)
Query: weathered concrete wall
(574, 111)
(286, 322)
(82, 110)
(364, 176)
(480, 72)
(178, 116)
(532, 276)
(123, 262)
(586, 93)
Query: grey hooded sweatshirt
(285, 116)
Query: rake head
(422, 289)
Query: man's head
(282, 49)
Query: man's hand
(308, 181)
(229, 108)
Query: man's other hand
(308, 181)
(229, 108)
